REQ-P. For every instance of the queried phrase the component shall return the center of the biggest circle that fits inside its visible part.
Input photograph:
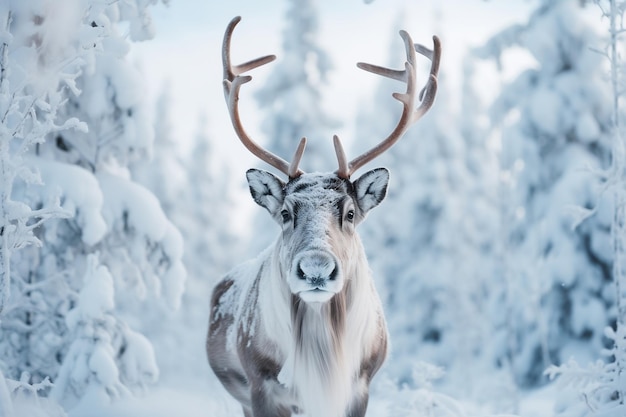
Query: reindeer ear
(266, 189)
(371, 188)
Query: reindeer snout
(317, 268)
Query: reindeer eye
(350, 215)
(286, 216)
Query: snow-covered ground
(203, 396)
(199, 397)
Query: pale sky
(186, 52)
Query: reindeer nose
(317, 268)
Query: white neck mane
(322, 346)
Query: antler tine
(233, 80)
(343, 171)
(409, 114)
(427, 94)
(292, 172)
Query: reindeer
(300, 328)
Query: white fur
(318, 393)
(320, 370)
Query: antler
(233, 80)
(409, 114)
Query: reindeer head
(318, 212)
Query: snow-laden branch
(29, 114)
(72, 108)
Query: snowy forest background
(499, 252)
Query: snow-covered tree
(100, 342)
(163, 173)
(553, 122)
(38, 70)
(69, 63)
(209, 202)
(292, 94)
(204, 214)
(601, 384)
(32, 84)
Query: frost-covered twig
(27, 118)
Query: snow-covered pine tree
(203, 212)
(105, 356)
(142, 249)
(163, 173)
(478, 230)
(601, 384)
(32, 83)
(39, 65)
(553, 120)
(291, 95)
(210, 227)
(87, 171)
